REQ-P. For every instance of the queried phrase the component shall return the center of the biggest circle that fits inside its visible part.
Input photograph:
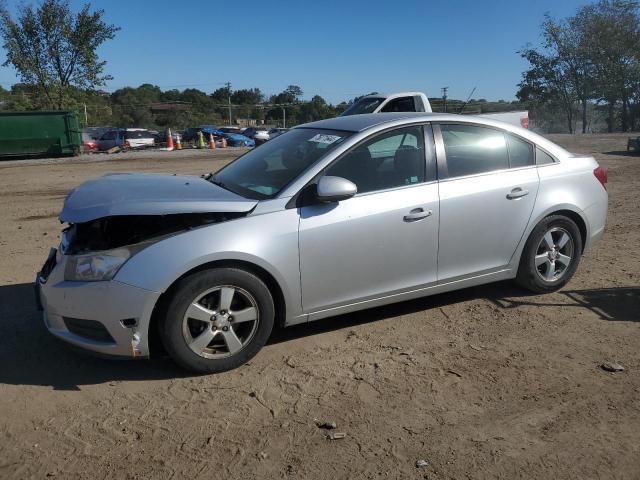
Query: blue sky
(337, 49)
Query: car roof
(366, 121)
(359, 123)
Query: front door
(382, 241)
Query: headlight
(96, 266)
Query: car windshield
(263, 172)
(364, 105)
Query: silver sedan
(328, 218)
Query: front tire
(551, 255)
(217, 320)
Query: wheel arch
(577, 219)
(566, 210)
(155, 344)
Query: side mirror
(334, 189)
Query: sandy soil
(487, 382)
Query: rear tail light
(524, 121)
(601, 174)
(127, 144)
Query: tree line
(585, 74)
(151, 107)
(586, 68)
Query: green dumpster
(51, 134)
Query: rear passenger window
(471, 149)
(520, 152)
(543, 158)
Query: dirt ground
(487, 382)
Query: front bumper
(122, 312)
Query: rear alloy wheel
(554, 254)
(217, 320)
(551, 255)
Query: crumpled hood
(148, 194)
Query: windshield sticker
(326, 139)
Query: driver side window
(389, 160)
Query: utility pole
(284, 117)
(444, 98)
(228, 84)
(86, 118)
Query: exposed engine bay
(118, 231)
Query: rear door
(488, 187)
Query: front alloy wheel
(217, 319)
(220, 322)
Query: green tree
(571, 49)
(590, 57)
(613, 29)
(545, 85)
(252, 96)
(53, 49)
(291, 94)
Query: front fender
(269, 241)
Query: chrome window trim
(492, 172)
(393, 189)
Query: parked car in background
(96, 132)
(261, 137)
(89, 144)
(230, 129)
(191, 133)
(126, 138)
(335, 216)
(160, 136)
(237, 140)
(274, 132)
(251, 131)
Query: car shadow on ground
(29, 355)
(623, 153)
(620, 304)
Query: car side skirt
(504, 274)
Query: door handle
(417, 214)
(517, 193)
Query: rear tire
(217, 320)
(551, 255)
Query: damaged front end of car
(97, 249)
(112, 218)
(108, 221)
